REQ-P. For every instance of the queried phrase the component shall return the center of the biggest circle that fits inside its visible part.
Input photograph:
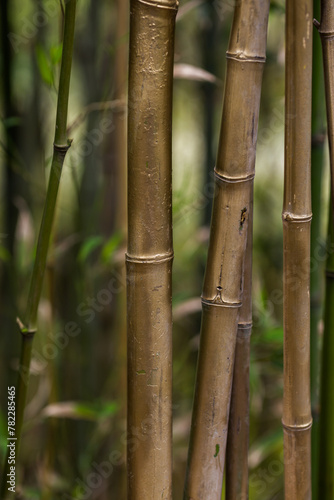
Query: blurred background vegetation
(75, 418)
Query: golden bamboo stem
(326, 31)
(238, 427)
(150, 249)
(297, 420)
(222, 289)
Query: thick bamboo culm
(326, 30)
(222, 290)
(238, 427)
(150, 249)
(297, 420)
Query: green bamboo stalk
(150, 249)
(317, 161)
(297, 420)
(221, 298)
(61, 145)
(326, 455)
(238, 427)
(117, 187)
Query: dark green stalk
(317, 160)
(326, 427)
(61, 145)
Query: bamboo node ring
(220, 302)
(245, 326)
(298, 428)
(322, 33)
(242, 57)
(149, 259)
(227, 178)
(291, 217)
(161, 4)
(62, 148)
(26, 332)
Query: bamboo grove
(120, 433)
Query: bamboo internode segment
(150, 249)
(238, 427)
(222, 290)
(297, 215)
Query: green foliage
(88, 247)
(48, 61)
(44, 66)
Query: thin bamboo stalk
(326, 31)
(150, 249)
(326, 439)
(119, 179)
(326, 455)
(297, 420)
(61, 145)
(221, 298)
(317, 161)
(238, 427)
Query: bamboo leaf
(88, 247)
(189, 72)
(80, 411)
(110, 246)
(56, 53)
(44, 65)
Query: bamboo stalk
(222, 289)
(238, 427)
(326, 438)
(61, 145)
(326, 455)
(297, 420)
(326, 31)
(317, 161)
(150, 249)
